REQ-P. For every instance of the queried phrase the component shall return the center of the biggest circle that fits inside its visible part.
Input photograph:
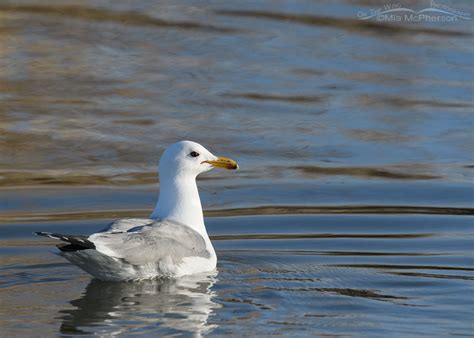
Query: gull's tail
(81, 252)
(75, 242)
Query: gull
(173, 242)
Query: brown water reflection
(270, 97)
(102, 15)
(411, 103)
(366, 172)
(91, 178)
(12, 217)
(348, 24)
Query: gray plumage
(125, 224)
(150, 242)
(133, 249)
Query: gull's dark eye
(194, 154)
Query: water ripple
(122, 18)
(379, 29)
(12, 217)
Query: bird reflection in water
(165, 306)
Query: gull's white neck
(179, 201)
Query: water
(351, 216)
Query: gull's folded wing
(122, 225)
(151, 243)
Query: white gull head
(179, 199)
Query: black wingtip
(41, 233)
(77, 242)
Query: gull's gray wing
(151, 243)
(122, 225)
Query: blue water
(351, 214)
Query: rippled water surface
(351, 216)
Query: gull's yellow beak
(223, 162)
